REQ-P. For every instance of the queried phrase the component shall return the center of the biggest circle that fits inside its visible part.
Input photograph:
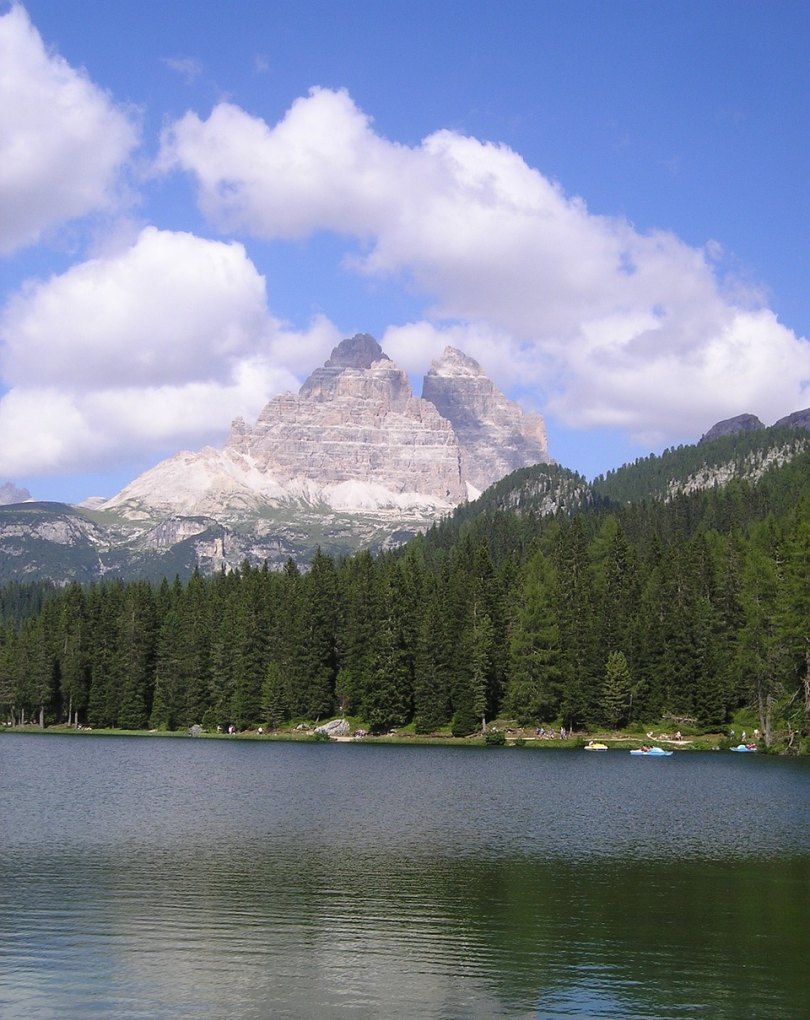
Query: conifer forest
(619, 612)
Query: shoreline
(513, 738)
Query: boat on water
(595, 746)
(652, 752)
(744, 747)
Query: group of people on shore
(552, 734)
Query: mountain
(353, 440)
(733, 426)
(353, 460)
(797, 420)
(495, 437)
(745, 455)
(10, 493)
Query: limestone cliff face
(354, 439)
(356, 419)
(495, 436)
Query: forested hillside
(746, 455)
(690, 608)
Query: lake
(157, 877)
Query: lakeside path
(514, 737)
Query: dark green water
(187, 878)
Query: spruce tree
(431, 673)
(135, 654)
(574, 598)
(534, 689)
(617, 690)
(318, 660)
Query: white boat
(652, 752)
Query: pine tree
(137, 638)
(274, 707)
(360, 603)
(104, 607)
(617, 691)
(318, 662)
(761, 649)
(534, 689)
(74, 654)
(574, 598)
(431, 673)
(10, 693)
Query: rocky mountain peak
(11, 493)
(454, 362)
(732, 426)
(353, 445)
(796, 420)
(494, 434)
(358, 352)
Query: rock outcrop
(11, 493)
(353, 460)
(797, 420)
(356, 420)
(731, 426)
(494, 435)
(353, 439)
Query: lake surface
(154, 878)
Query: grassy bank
(499, 733)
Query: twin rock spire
(355, 438)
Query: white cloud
(157, 346)
(62, 140)
(609, 324)
(171, 307)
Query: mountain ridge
(356, 461)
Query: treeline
(599, 619)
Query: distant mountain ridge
(354, 439)
(356, 461)
(353, 460)
(750, 423)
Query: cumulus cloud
(171, 307)
(63, 142)
(158, 345)
(609, 324)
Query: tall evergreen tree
(319, 658)
(574, 599)
(431, 661)
(534, 691)
(359, 621)
(74, 654)
(617, 691)
(137, 637)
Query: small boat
(592, 746)
(652, 752)
(744, 747)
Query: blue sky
(605, 203)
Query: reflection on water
(159, 878)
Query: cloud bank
(159, 345)
(159, 340)
(63, 142)
(611, 326)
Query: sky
(605, 202)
